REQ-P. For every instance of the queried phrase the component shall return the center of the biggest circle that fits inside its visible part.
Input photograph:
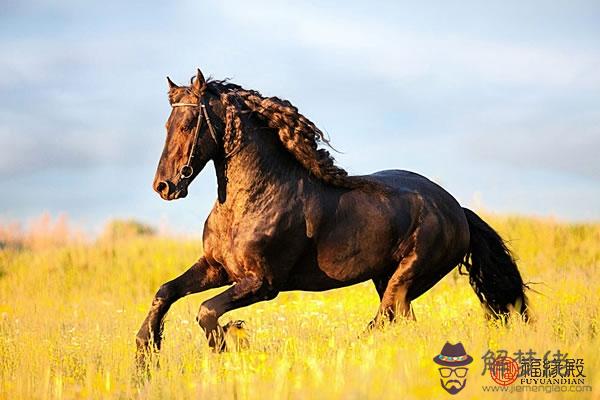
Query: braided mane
(297, 134)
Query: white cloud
(391, 52)
(83, 88)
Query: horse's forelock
(177, 94)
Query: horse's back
(406, 183)
(402, 181)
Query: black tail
(493, 272)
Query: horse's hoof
(238, 324)
(236, 336)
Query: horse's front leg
(251, 289)
(201, 276)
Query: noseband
(187, 170)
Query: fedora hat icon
(453, 355)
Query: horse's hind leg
(381, 284)
(394, 299)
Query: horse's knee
(165, 293)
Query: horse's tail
(493, 272)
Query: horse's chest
(233, 238)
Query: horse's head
(191, 139)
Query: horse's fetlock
(142, 343)
(206, 315)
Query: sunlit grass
(69, 314)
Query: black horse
(287, 218)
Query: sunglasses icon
(459, 372)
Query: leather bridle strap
(187, 170)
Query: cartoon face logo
(453, 374)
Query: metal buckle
(187, 171)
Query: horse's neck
(262, 168)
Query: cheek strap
(187, 170)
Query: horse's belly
(311, 275)
(315, 281)
(355, 266)
(359, 243)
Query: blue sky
(497, 101)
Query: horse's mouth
(178, 194)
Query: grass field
(69, 313)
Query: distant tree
(40, 232)
(123, 229)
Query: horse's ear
(199, 82)
(172, 85)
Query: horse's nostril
(161, 186)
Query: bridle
(187, 170)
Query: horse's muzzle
(164, 189)
(168, 191)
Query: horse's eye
(187, 127)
